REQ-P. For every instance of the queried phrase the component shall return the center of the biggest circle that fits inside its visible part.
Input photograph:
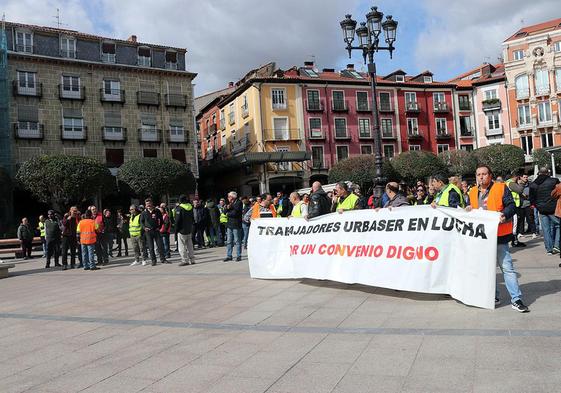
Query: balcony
(443, 134)
(114, 134)
(108, 58)
(66, 92)
(176, 100)
(441, 107)
(177, 137)
(222, 124)
(239, 145)
(35, 91)
(231, 118)
(245, 111)
(363, 107)
(316, 133)
(73, 133)
(542, 90)
(493, 104)
(275, 135)
(413, 134)
(28, 130)
(339, 106)
(464, 106)
(170, 65)
(150, 98)
(522, 94)
(524, 126)
(68, 53)
(212, 129)
(467, 132)
(385, 107)
(314, 106)
(318, 165)
(144, 61)
(149, 135)
(493, 131)
(113, 95)
(412, 107)
(23, 48)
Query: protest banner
(419, 249)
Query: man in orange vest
(493, 196)
(86, 230)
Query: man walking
(69, 226)
(25, 236)
(183, 229)
(52, 237)
(492, 196)
(151, 220)
(135, 232)
(233, 211)
(540, 196)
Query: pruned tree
(459, 162)
(502, 159)
(418, 165)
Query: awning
(254, 158)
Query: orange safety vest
(86, 229)
(494, 203)
(255, 213)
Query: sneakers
(183, 264)
(519, 306)
(238, 259)
(555, 250)
(516, 243)
(135, 263)
(144, 263)
(227, 259)
(534, 236)
(549, 253)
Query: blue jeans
(504, 260)
(550, 230)
(165, 242)
(245, 228)
(233, 235)
(214, 235)
(88, 256)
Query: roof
(551, 25)
(87, 36)
(202, 102)
(487, 73)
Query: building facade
(80, 94)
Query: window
(465, 126)
(366, 149)
(24, 41)
(387, 128)
(400, 78)
(342, 152)
(544, 112)
(493, 120)
(389, 151)
(148, 130)
(463, 101)
(68, 47)
(114, 157)
(179, 155)
(439, 101)
(466, 147)
(412, 126)
(364, 128)
(340, 128)
(150, 153)
(144, 56)
(222, 119)
(524, 115)
(171, 60)
(522, 86)
(385, 104)
(310, 72)
(278, 98)
(245, 106)
(27, 83)
(73, 128)
(313, 100)
(527, 143)
(427, 79)
(283, 166)
(231, 114)
(547, 139)
(362, 101)
(414, 147)
(108, 52)
(410, 97)
(338, 101)
(442, 148)
(518, 54)
(441, 126)
(315, 127)
(71, 86)
(491, 94)
(317, 157)
(280, 128)
(111, 90)
(176, 133)
(541, 79)
(557, 46)
(558, 79)
(28, 122)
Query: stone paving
(211, 328)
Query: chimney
(230, 84)
(132, 38)
(329, 70)
(486, 69)
(350, 67)
(309, 64)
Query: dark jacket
(184, 219)
(234, 213)
(286, 207)
(397, 201)
(213, 214)
(52, 230)
(25, 232)
(69, 226)
(319, 204)
(540, 194)
(151, 220)
(109, 224)
(201, 217)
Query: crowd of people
(527, 207)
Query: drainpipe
(427, 119)
(328, 136)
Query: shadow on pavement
(532, 291)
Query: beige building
(81, 94)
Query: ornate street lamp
(368, 34)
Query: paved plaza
(211, 328)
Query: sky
(227, 38)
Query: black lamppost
(369, 43)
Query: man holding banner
(492, 196)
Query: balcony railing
(25, 48)
(318, 164)
(114, 134)
(239, 145)
(149, 135)
(443, 134)
(542, 90)
(339, 106)
(212, 129)
(466, 132)
(412, 106)
(282, 134)
(316, 133)
(222, 124)
(68, 53)
(176, 100)
(245, 111)
(24, 130)
(385, 107)
(73, 133)
(171, 65)
(108, 57)
(522, 94)
(441, 107)
(464, 106)
(177, 137)
(144, 61)
(493, 131)
(113, 95)
(388, 133)
(36, 91)
(314, 106)
(491, 104)
(414, 134)
(71, 93)
(363, 106)
(148, 98)
(231, 118)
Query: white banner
(417, 248)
